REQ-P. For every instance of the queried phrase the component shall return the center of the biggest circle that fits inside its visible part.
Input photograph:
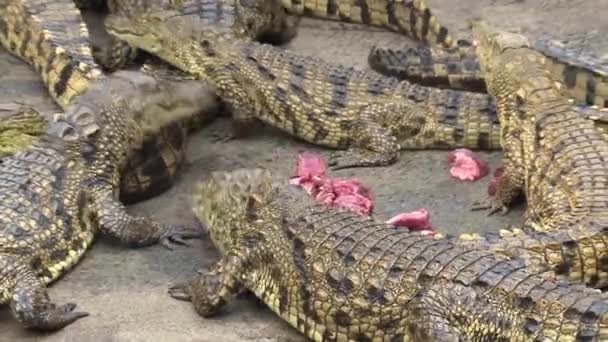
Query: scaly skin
(446, 61)
(20, 127)
(335, 275)
(412, 18)
(552, 155)
(369, 116)
(51, 36)
(263, 20)
(455, 68)
(458, 68)
(59, 193)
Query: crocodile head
(490, 44)
(227, 202)
(143, 30)
(254, 15)
(499, 58)
(163, 33)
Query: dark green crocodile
(336, 275)
(58, 194)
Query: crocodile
(59, 193)
(263, 20)
(51, 36)
(552, 156)
(458, 68)
(367, 116)
(336, 275)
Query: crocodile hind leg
(29, 300)
(455, 68)
(138, 231)
(376, 136)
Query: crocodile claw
(178, 234)
(181, 291)
(58, 317)
(491, 205)
(341, 160)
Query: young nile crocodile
(56, 195)
(335, 106)
(556, 158)
(458, 68)
(51, 36)
(263, 20)
(339, 276)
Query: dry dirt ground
(125, 290)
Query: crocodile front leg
(138, 231)
(29, 300)
(211, 290)
(377, 132)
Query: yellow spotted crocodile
(557, 159)
(371, 116)
(263, 20)
(58, 194)
(335, 275)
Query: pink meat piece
(310, 165)
(466, 165)
(338, 192)
(348, 193)
(418, 220)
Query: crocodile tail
(51, 36)
(462, 119)
(456, 68)
(582, 81)
(412, 18)
(576, 252)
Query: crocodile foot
(491, 205)
(181, 290)
(178, 234)
(56, 317)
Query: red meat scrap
(493, 186)
(418, 220)
(348, 193)
(466, 165)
